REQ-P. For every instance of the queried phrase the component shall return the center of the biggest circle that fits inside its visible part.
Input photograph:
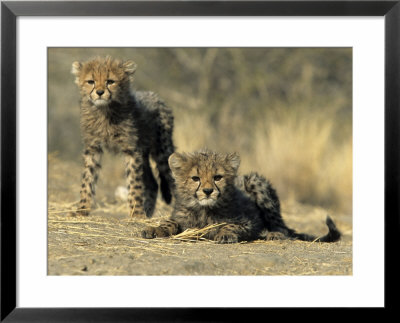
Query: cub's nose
(208, 191)
(99, 92)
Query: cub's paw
(226, 237)
(137, 214)
(154, 232)
(276, 236)
(79, 212)
(149, 233)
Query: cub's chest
(117, 137)
(203, 218)
(112, 136)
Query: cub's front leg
(165, 229)
(92, 164)
(134, 176)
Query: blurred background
(286, 111)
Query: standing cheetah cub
(208, 191)
(137, 124)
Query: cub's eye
(195, 178)
(90, 82)
(217, 178)
(110, 82)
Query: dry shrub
(192, 132)
(299, 153)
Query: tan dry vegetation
(299, 156)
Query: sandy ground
(108, 242)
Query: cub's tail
(332, 236)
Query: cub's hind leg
(150, 189)
(162, 149)
(92, 164)
(166, 179)
(261, 192)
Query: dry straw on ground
(196, 234)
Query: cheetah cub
(137, 124)
(209, 191)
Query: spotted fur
(137, 124)
(209, 191)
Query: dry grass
(187, 126)
(300, 155)
(196, 234)
(106, 244)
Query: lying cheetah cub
(138, 125)
(208, 191)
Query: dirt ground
(108, 242)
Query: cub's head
(203, 177)
(103, 80)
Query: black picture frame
(10, 10)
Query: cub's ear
(129, 67)
(175, 162)
(234, 160)
(76, 68)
